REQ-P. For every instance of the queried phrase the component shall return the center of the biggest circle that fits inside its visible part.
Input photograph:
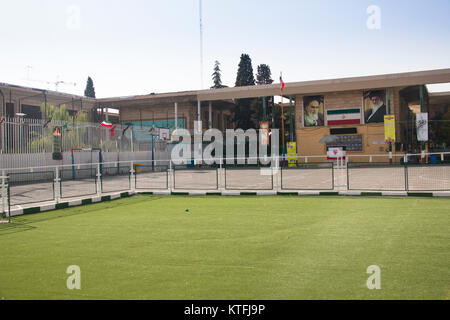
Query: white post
(442, 157)
(199, 118)
(210, 115)
(277, 174)
(3, 134)
(176, 115)
(405, 158)
(220, 176)
(370, 159)
(99, 180)
(4, 195)
(131, 137)
(57, 185)
(169, 177)
(132, 177)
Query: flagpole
(282, 112)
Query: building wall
(186, 111)
(308, 138)
(15, 96)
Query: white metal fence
(30, 136)
(56, 183)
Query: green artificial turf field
(243, 247)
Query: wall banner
(422, 126)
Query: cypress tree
(90, 90)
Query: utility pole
(389, 112)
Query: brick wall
(372, 134)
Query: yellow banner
(389, 128)
(292, 154)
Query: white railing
(94, 174)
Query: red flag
(111, 131)
(281, 84)
(106, 124)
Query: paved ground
(418, 178)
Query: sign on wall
(57, 143)
(389, 128)
(336, 152)
(292, 153)
(350, 142)
(422, 126)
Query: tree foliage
(90, 90)
(68, 122)
(217, 76)
(264, 75)
(245, 72)
(242, 115)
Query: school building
(345, 112)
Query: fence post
(99, 180)
(442, 157)
(406, 177)
(277, 173)
(220, 182)
(132, 177)
(2, 133)
(3, 191)
(170, 176)
(57, 185)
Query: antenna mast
(201, 45)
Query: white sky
(139, 47)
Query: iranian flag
(106, 124)
(281, 84)
(343, 116)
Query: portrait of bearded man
(313, 111)
(375, 108)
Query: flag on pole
(106, 124)
(281, 84)
(111, 131)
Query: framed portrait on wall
(374, 106)
(313, 111)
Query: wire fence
(32, 136)
(55, 183)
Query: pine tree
(245, 72)
(217, 76)
(242, 115)
(264, 74)
(90, 90)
